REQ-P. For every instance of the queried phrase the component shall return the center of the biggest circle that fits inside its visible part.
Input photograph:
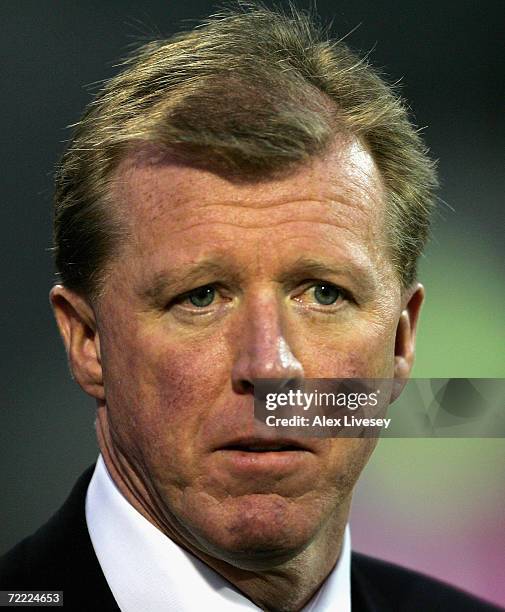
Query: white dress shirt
(147, 571)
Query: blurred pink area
(439, 518)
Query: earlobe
(406, 332)
(76, 321)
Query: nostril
(243, 387)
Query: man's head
(244, 201)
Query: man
(243, 201)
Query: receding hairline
(346, 151)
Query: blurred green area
(462, 327)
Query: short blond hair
(251, 91)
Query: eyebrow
(362, 275)
(164, 282)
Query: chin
(255, 531)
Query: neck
(278, 586)
(290, 586)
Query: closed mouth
(263, 446)
(262, 449)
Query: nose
(262, 351)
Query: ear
(405, 343)
(76, 322)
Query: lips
(262, 459)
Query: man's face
(223, 282)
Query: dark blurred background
(435, 505)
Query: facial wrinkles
(330, 213)
(288, 221)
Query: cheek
(158, 392)
(361, 351)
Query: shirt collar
(147, 571)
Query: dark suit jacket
(60, 556)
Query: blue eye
(202, 297)
(326, 294)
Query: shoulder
(398, 589)
(59, 556)
(43, 556)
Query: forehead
(179, 212)
(149, 172)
